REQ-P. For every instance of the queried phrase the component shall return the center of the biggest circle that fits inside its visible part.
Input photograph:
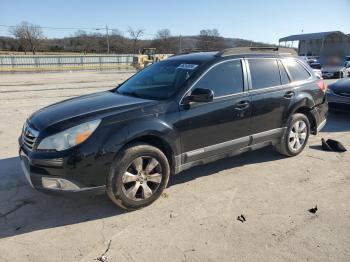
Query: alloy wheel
(297, 135)
(142, 178)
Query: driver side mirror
(201, 95)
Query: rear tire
(138, 176)
(296, 136)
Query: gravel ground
(196, 218)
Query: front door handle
(289, 94)
(242, 105)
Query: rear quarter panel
(308, 96)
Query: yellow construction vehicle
(146, 57)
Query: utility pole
(107, 39)
(180, 44)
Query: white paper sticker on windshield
(187, 66)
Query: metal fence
(63, 62)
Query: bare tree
(29, 35)
(135, 35)
(116, 32)
(209, 33)
(119, 43)
(80, 33)
(210, 39)
(163, 34)
(163, 41)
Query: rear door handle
(242, 105)
(289, 94)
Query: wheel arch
(308, 113)
(155, 132)
(158, 142)
(304, 104)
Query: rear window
(264, 73)
(296, 70)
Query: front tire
(295, 137)
(138, 176)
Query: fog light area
(58, 183)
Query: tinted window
(224, 79)
(296, 70)
(264, 73)
(284, 75)
(158, 81)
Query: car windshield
(158, 81)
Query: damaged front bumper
(38, 175)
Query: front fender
(115, 136)
(156, 127)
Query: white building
(320, 44)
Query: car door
(271, 94)
(219, 126)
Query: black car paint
(179, 128)
(84, 107)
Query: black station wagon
(184, 111)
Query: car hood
(88, 106)
(341, 86)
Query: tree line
(29, 38)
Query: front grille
(29, 135)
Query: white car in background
(336, 71)
(318, 73)
(310, 59)
(347, 71)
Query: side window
(224, 79)
(284, 76)
(264, 73)
(296, 70)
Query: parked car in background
(335, 71)
(347, 66)
(335, 67)
(310, 59)
(318, 73)
(178, 113)
(316, 67)
(338, 95)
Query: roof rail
(196, 50)
(256, 50)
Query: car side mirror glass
(201, 95)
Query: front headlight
(70, 137)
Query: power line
(62, 28)
(78, 28)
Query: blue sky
(264, 20)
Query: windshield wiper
(134, 94)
